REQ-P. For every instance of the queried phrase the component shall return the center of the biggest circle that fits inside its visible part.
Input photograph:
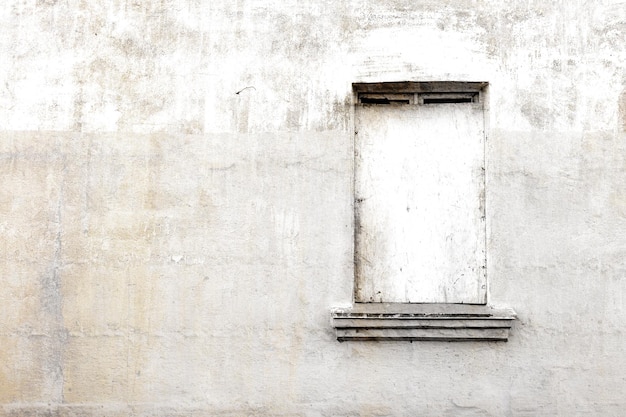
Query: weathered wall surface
(171, 247)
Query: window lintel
(420, 87)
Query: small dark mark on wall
(245, 88)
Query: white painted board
(419, 204)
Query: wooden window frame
(421, 321)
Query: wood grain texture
(419, 181)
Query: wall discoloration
(622, 110)
(170, 247)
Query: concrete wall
(173, 241)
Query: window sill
(414, 322)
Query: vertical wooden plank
(419, 191)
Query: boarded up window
(419, 196)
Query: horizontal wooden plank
(420, 87)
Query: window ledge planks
(417, 322)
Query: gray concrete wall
(173, 241)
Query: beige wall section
(170, 247)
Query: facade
(177, 207)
